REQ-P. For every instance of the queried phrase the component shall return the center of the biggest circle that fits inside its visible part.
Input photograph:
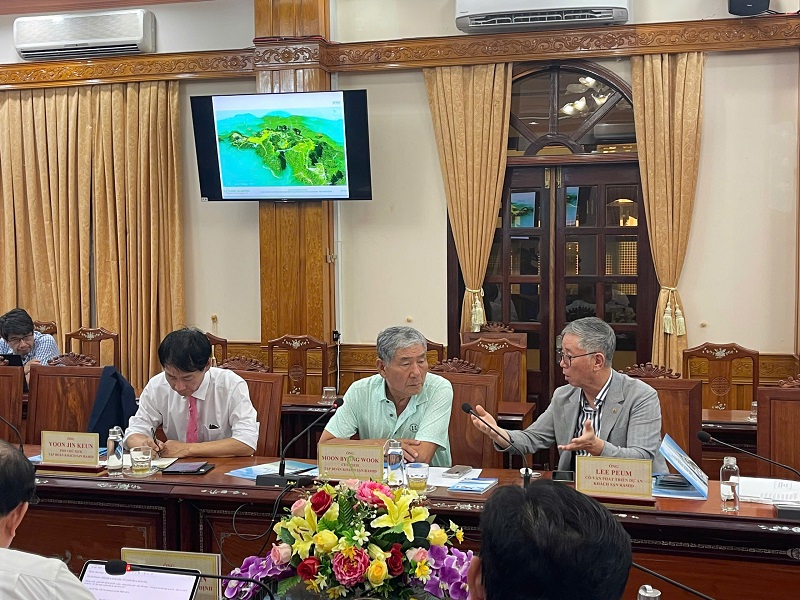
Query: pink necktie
(191, 427)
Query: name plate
(207, 589)
(350, 459)
(70, 448)
(606, 476)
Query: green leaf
(286, 536)
(286, 584)
(345, 510)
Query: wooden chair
(681, 413)
(778, 422)
(70, 359)
(296, 350)
(60, 399)
(266, 392)
(724, 362)
(48, 327)
(497, 327)
(507, 359)
(437, 348)
(222, 343)
(11, 402)
(455, 365)
(468, 446)
(649, 371)
(244, 363)
(89, 343)
(520, 339)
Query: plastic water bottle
(114, 452)
(395, 467)
(729, 485)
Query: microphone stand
(526, 474)
(15, 430)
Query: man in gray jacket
(600, 412)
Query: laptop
(147, 584)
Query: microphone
(120, 567)
(281, 479)
(685, 588)
(15, 430)
(526, 478)
(705, 437)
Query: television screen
(291, 146)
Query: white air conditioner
(498, 16)
(85, 35)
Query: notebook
(138, 585)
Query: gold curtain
(471, 110)
(137, 190)
(667, 98)
(45, 156)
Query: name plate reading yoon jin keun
(70, 448)
(608, 476)
(350, 459)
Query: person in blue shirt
(17, 336)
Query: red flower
(320, 502)
(395, 561)
(308, 568)
(350, 571)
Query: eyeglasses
(568, 359)
(16, 339)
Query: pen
(155, 441)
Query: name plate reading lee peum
(350, 459)
(607, 476)
(70, 448)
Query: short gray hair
(392, 339)
(594, 335)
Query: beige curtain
(667, 97)
(137, 190)
(471, 110)
(45, 154)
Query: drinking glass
(753, 411)
(328, 396)
(417, 477)
(141, 460)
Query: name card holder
(616, 481)
(70, 451)
(350, 459)
(205, 563)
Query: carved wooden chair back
(507, 359)
(649, 371)
(299, 351)
(60, 399)
(71, 359)
(244, 363)
(89, 339)
(455, 365)
(266, 393)
(436, 348)
(729, 373)
(778, 420)
(468, 446)
(48, 327)
(218, 343)
(11, 402)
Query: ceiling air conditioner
(499, 16)
(85, 35)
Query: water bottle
(114, 452)
(647, 592)
(395, 467)
(729, 485)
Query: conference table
(79, 517)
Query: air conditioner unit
(499, 16)
(85, 35)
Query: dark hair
(549, 542)
(15, 322)
(186, 349)
(17, 479)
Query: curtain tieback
(477, 314)
(680, 323)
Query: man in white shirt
(203, 410)
(25, 576)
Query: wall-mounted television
(289, 146)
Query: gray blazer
(630, 423)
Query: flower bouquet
(360, 539)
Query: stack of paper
(768, 491)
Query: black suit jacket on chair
(114, 403)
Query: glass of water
(753, 411)
(141, 460)
(328, 396)
(417, 477)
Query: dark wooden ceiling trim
(149, 67)
(24, 7)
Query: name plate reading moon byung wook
(350, 459)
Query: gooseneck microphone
(120, 567)
(685, 588)
(281, 479)
(526, 477)
(705, 437)
(15, 430)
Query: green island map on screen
(294, 149)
